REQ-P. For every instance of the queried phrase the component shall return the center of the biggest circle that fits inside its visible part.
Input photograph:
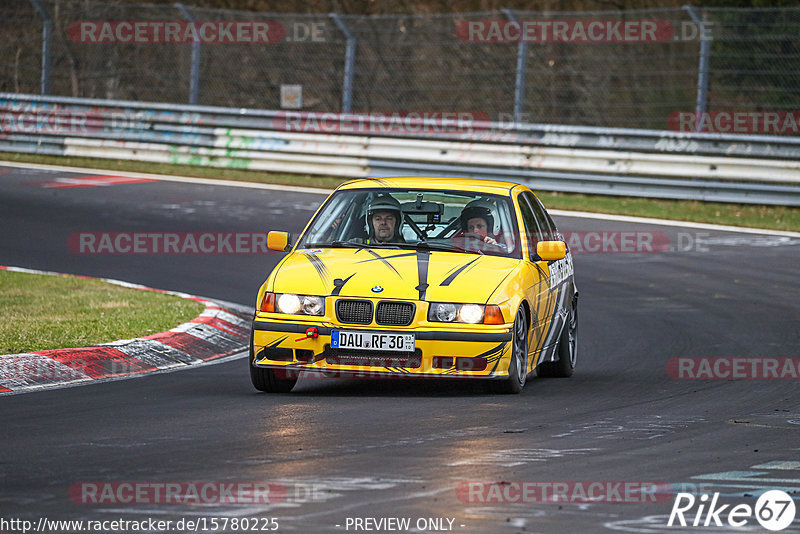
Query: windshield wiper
(440, 246)
(349, 244)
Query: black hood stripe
(338, 284)
(384, 261)
(447, 281)
(322, 271)
(383, 258)
(422, 272)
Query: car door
(560, 281)
(551, 295)
(537, 276)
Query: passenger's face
(384, 223)
(477, 225)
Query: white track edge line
(670, 222)
(168, 178)
(312, 190)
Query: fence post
(702, 70)
(349, 63)
(519, 83)
(194, 76)
(47, 36)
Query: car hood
(392, 274)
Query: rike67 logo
(774, 510)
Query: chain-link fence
(551, 67)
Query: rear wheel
(518, 368)
(265, 379)
(567, 350)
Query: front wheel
(265, 379)
(518, 368)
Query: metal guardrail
(402, 61)
(613, 161)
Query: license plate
(372, 341)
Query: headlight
(470, 313)
(299, 304)
(288, 303)
(313, 305)
(446, 312)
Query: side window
(532, 230)
(556, 234)
(548, 226)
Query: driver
(477, 219)
(384, 219)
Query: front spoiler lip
(355, 373)
(300, 328)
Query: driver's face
(384, 223)
(477, 225)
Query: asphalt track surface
(347, 449)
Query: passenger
(477, 219)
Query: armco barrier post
(349, 63)
(519, 83)
(47, 36)
(194, 79)
(702, 70)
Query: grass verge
(750, 215)
(42, 312)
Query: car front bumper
(441, 352)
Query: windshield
(477, 223)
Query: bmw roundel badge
(377, 289)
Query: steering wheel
(476, 241)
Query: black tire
(567, 350)
(265, 379)
(517, 370)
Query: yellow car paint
(352, 273)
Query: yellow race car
(419, 277)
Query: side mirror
(551, 250)
(278, 241)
